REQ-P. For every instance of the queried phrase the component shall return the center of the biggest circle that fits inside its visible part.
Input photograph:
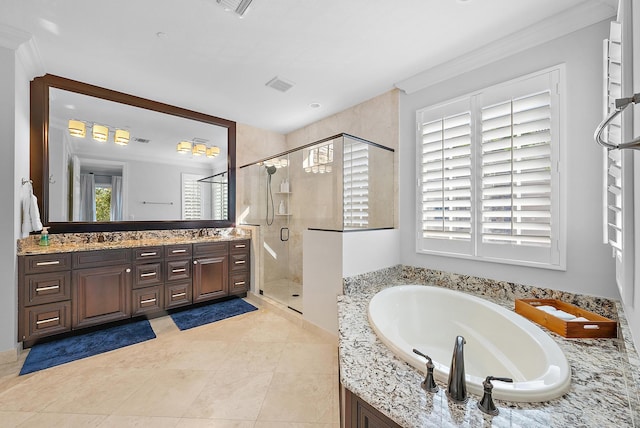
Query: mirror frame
(39, 156)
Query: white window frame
(551, 257)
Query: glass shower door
(278, 279)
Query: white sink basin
(499, 342)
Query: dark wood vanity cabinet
(210, 271)
(359, 414)
(178, 286)
(44, 295)
(239, 266)
(66, 291)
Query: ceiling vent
(238, 6)
(279, 84)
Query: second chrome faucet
(456, 385)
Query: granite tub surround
(70, 242)
(603, 388)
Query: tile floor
(257, 370)
(286, 292)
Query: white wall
(632, 309)
(14, 165)
(328, 257)
(153, 183)
(590, 268)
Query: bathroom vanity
(380, 390)
(70, 287)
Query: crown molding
(25, 47)
(11, 37)
(29, 56)
(559, 25)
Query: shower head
(271, 169)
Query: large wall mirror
(103, 160)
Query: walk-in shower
(342, 183)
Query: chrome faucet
(456, 386)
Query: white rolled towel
(580, 319)
(563, 315)
(546, 308)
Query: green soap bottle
(44, 236)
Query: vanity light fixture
(121, 137)
(199, 149)
(77, 128)
(212, 152)
(184, 147)
(100, 133)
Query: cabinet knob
(195, 262)
(128, 270)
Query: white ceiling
(337, 52)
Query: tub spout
(456, 386)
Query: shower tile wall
(376, 120)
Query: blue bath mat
(211, 313)
(45, 355)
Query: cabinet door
(101, 295)
(210, 277)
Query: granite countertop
(66, 243)
(603, 389)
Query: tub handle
(428, 384)
(486, 403)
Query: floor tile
(255, 370)
(300, 397)
(231, 395)
(167, 393)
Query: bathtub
(499, 342)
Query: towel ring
(620, 104)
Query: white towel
(30, 212)
(563, 315)
(546, 308)
(580, 319)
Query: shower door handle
(284, 234)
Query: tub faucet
(456, 386)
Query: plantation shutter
(191, 197)
(445, 177)
(519, 179)
(613, 135)
(356, 185)
(220, 207)
(516, 171)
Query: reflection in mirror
(112, 162)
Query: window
(488, 174)
(191, 197)
(220, 191)
(356, 185)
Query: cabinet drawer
(147, 253)
(180, 251)
(47, 263)
(146, 300)
(92, 259)
(177, 294)
(206, 248)
(242, 246)
(239, 283)
(239, 262)
(178, 269)
(45, 320)
(47, 288)
(147, 274)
